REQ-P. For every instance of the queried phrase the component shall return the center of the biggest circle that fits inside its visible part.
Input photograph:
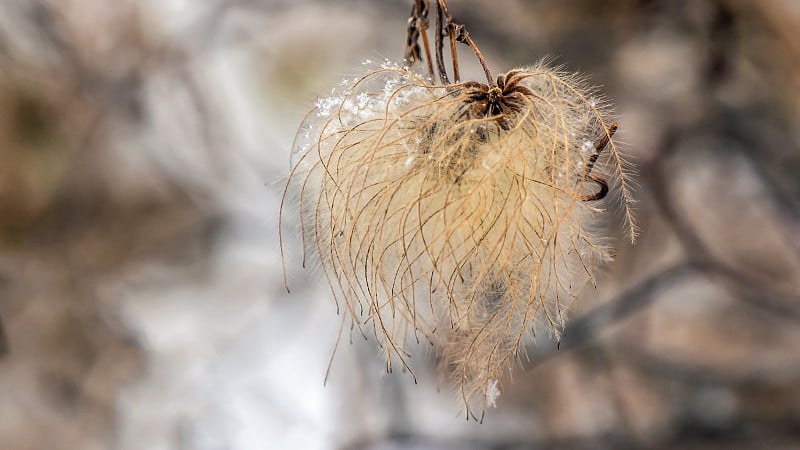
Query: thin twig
(463, 37)
(454, 54)
(412, 54)
(459, 31)
(438, 43)
(424, 33)
(456, 33)
(418, 27)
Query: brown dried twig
(456, 32)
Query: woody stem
(439, 44)
(457, 32)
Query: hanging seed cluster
(459, 214)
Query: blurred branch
(745, 288)
(672, 369)
(748, 288)
(787, 205)
(586, 328)
(3, 339)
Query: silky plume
(462, 214)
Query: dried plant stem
(456, 32)
(418, 27)
(462, 36)
(454, 54)
(427, 47)
(439, 45)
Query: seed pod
(460, 214)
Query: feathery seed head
(458, 213)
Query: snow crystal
(362, 100)
(492, 393)
(391, 84)
(325, 105)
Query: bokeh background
(143, 149)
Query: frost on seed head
(455, 214)
(492, 393)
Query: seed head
(460, 214)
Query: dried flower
(457, 213)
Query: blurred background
(143, 149)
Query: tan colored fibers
(455, 214)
